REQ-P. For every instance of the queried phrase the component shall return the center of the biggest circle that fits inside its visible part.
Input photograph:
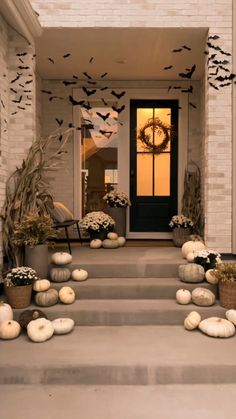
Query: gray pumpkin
(203, 297)
(47, 298)
(60, 274)
(191, 272)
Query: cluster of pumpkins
(113, 241)
(61, 272)
(35, 322)
(194, 273)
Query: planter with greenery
(226, 274)
(18, 285)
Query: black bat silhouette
(28, 104)
(224, 62)
(18, 100)
(104, 117)
(189, 73)
(21, 54)
(48, 92)
(29, 98)
(27, 91)
(21, 107)
(71, 125)
(14, 113)
(168, 68)
(188, 90)
(88, 92)
(224, 68)
(87, 75)
(51, 60)
(2, 104)
(225, 84)
(118, 110)
(177, 50)
(215, 47)
(17, 78)
(55, 97)
(22, 61)
(60, 137)
(104, 88)
(13, 90)
(103, 75)
(215, 73)
(68, 83)
(21, 85)
(75, 77)
(91, 82)
(104, 102)
(28, 81)
(91, 60)
(213, 85)
(75, 102)
(87, 106)
(23, 68)
(223, 78)
(192, 104)
(187, 48)
(225, 53)
(59, 121)
(66, 55)
(118, 95)
(214, 37)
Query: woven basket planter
(227, 291)
(18, 297)
(180, 236)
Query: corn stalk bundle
(191, 202)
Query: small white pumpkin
(9, 329)
(190, 257)
(191, 246)
(121, 240)
(41, 285)
(210, 277)
(67, 295)
(62, 326)
(231, 316)
(6, 312)
(112, 236)
(192, 320)
(60, 274)
(79, 275)
(203, 297)
(40, 330)
(191, 273)
(61, 258)
(110, 244)
(95, 244)
(183, 296)
(217, 327)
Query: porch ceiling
(124, 53)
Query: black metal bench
(66, 225)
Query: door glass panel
(162, 175)
(143, 115)
(164, 114)
(99, 144)
(144, 174)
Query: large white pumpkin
(67, 295)
(217, 327)
(79, 275)
(191, 273)
(9, 329)
(121, 240)
(63, 325)
(40, 330)
(61, 258)
(183, 296)
(95, 244)
(110, 244)
(6, 312)
(192, 320)
(192, 246)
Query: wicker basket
(18, 297)
(227, 291)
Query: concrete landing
(119, 402)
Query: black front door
(153, 174)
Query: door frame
(124, 147)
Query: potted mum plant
(18, 285)
(225, 272)
(33, 232)
(182, 227)
(207, 258)
(97, 224)
(117, 202)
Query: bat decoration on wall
(51, 60)
(225, 84)
(68, 83)
(91, 60)
(21, 54)
(87, 75)
(16, 78)
(103, 75)
(2, 104)
(230, 77)
(13, 90)
(177, 50)
(55, 97)
(59, 121)
(224, 62)
(17, 100)
(118, 110)
(168, 67)
(48, 92)
(104, 102)
(28, 81)
(75, 102)
(118, 95)
(213, 85)
(104, 117)
(189, 72)
(187, 48)
(91, 82)
(192, 105)
(103, 88)
(66, 55)
(188, 90)
(87, 106)
(214, 37)
(75, 77)
(23, 68)
(89, 92)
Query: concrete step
(119, 402)
(136, 355)
(127, 312)
(130, 288)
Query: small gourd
(203, 297)
(231, 316)
(121, 240)
(27, 315)
(95, 244)
(6, 312)
(9, 329)
(190, 257)
(183, 296)
(112, 236)
(61, 258)
(47, 298)
(192, 321)
(62, 326)
(210, 277)
(60, 274)
(67, 295)
(217, 327)
(110, 244)
(191, 246)
(40, 330)
(41, 285)
(79, 275)
(191, 273)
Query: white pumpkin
(190, 257)
(112, 236)
(79, 275)
(9, 329)
(192, 320)
(231, 316)
(191, 246)
(191, 273)
(67, 295)
(121, 240)
(62, 326)
(41, 285)
(210, 277)
(217, 327)
(183, 296)
(110, 244)
(95, 244)
(61, 258)
(203, 297)
(40, 330)
(6, 312)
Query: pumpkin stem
(35, 315)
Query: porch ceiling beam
(20, 15)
